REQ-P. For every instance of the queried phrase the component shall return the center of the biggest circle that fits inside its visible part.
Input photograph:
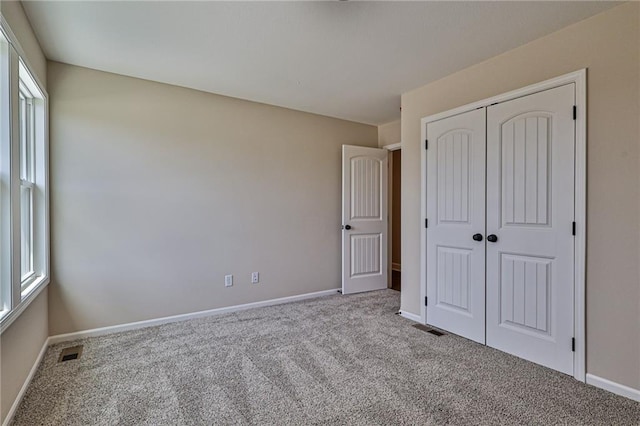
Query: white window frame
(27, 138)
(18, 289)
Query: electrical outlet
(255, 277)
(228, 280)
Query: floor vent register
(429, 329)
(71, 353)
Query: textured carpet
(334, 360)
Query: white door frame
(580, 79)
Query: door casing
(580, 79)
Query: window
(24, 214)
(27, 184)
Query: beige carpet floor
(345, 360)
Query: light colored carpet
(334, 360)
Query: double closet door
(500, 209)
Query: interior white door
(530, 212)
(456, 224)
(364, 219)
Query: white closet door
(456, 212)
(530, 210)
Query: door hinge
(426, 223)
(573, 344)
(426, 299)
(426, 144)
(573, 228)
(575, 112)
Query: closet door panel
(456, 212)
(530, 210)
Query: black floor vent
(68, 354)
(428, 329)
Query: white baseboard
(410, 316)
(613, 387)
(25, 385)
(182, 317)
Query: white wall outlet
(255, 277)
(228, 280)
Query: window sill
(28, 296)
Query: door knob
(492, 238)
(477, 237)
(347, 227)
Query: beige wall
(608, 45)
(21, 343)
(158, 191)
(389, 133)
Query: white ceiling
(350, 60)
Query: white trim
(579, 78)
(573, 77)
(410, 316)
(16, 403)
(182, 317)
(580, 217)
(423, 218)
(613, 387)
(393, 146)
(33, 293)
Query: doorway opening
(395, 218)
